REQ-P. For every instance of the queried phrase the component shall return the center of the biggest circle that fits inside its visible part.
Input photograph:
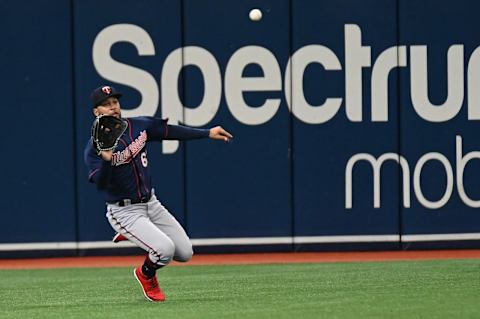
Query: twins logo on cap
(107, 90)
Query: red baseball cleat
(151, 289)
(118, 237)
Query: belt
(128, 201)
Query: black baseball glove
(106, 131)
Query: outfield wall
(354, 121)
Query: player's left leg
(167, 223)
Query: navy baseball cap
(102, 93)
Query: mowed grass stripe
(420, 289)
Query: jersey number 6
(144, 159)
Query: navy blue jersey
(127, 176)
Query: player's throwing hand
(218, 133)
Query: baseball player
(122, 175)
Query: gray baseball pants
(152, 227)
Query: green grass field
(421, 289)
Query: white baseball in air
(255, 15)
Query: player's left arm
(183, 133)
(219, 133)
(163, 131)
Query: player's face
(110, 106)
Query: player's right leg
(118, 237)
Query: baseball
(255, 15)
